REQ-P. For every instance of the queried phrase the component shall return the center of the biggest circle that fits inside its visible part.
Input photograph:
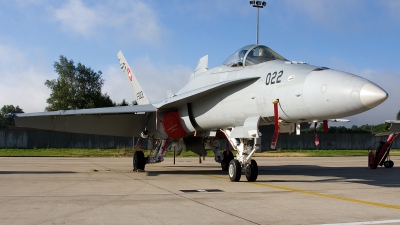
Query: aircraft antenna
(258, 5)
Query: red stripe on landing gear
(316, 134)
(276, 118)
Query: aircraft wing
(196, 94)
(127, 121)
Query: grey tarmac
(289, 190)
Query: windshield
(251, 55)
(236, 59)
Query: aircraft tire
(139, 161)
(228, 156)
(252, 171)
(225, 165)
(391, 164)
(235, 170)
(387, 164)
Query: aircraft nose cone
(335, 94)
(371, 95)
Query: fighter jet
(254, 86)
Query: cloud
(158, 78)
(76, 17)
(23, 80)
(116, 85)
(131, 19)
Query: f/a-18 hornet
(255, 86)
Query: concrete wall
(13, 139)
(54, 139)
(326, 141)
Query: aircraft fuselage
(305, 93)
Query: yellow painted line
(316, 194)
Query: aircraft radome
(255, 86)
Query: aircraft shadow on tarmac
(176, 171)
(363, 175)
(379, 177)
(35, 172)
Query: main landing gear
(228, 156)
(139, 161)
(220, 157)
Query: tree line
(367, 129)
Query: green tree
(77, 87)
(398, 116)
(8, 122)
(382, 127)
(123, 103)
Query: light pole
(258, 5)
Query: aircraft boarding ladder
(381, 155)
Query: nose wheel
(235, 170)
(250, 170)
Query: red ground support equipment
(381, 155)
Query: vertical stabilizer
(141, 98)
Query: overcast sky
(163, 40)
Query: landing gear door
(248, 130)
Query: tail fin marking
(141, 98)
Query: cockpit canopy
(251, 55)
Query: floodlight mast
(258, 5)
